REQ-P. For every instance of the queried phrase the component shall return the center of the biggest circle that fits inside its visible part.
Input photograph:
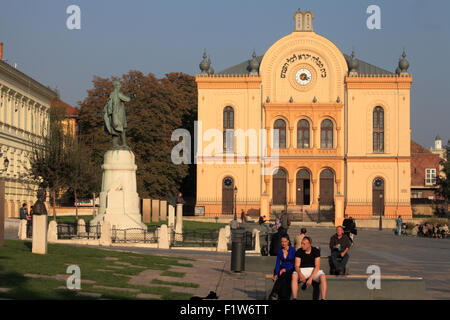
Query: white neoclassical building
(24, 112)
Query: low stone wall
(354, 287)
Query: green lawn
(97, 265)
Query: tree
(156, 109)
(443, 180)
(49, 161)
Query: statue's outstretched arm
(123, 97)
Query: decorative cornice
(221, 81)
(384, 81)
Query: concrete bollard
(171, 219)
(255, 234)
(52, 234)
(22, 234)
(105, 237)
(179, 223)
(81, 228)
(163, 237)
(222, 243)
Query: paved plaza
(406, 255)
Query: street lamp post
(235, 196)
(380, 225)
(2, 202)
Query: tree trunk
(54, 204)
(76, 204)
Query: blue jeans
(399, 230)
(338, 261)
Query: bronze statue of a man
(39, 206)
(115, 117)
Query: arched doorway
(378, 197)
(326, 187)
(227, 195)
(279, 187)
(303, 187)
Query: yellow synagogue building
(321, 129)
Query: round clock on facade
(378, 182)
(303, 76)
(228, 182)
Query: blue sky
(165, 36)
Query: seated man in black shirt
(307, 268)
(339, 245)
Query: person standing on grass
(307, 268)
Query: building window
(303, 134)
(430, 177)
(326, 134)
(378, 130)
(280, 135)
(228, 129)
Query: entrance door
(378, 197)
(279, 187)
(326, 187)
(227, 195)
(303, 187)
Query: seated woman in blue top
(283, 270)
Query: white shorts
(307, 273)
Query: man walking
(399, 225)
(339, 245)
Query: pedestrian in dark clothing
(283, 270)
(285, 223)
(275, 241)
(23, 212)
(339, 245)
(349, 228)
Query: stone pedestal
(222, 243)
(155, 210)
(339, 210)
(119, 201)
(105, 237)
(163, 210)
(255, 234)
(171, 220)
(39, 234)
(146, 210)
(179, 223)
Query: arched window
(326, 134)
(228, 129)
(280, 143)
(378, 129)
(303, 134)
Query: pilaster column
(315, 192)
(314, 138)
(290, 191)
(291, 137)
(338, 136)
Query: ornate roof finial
(403, 64)
(210, 70)
(205, 64)
(353, 65)
(253, 65)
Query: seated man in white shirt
(307, 268)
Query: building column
(315, 193)
(291, 137)
(290, 191)
(338, 130)
(314, 138)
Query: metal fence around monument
(195, 238)
(71, 231)
(134, 235)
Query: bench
(266, 264)
(354, 287)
